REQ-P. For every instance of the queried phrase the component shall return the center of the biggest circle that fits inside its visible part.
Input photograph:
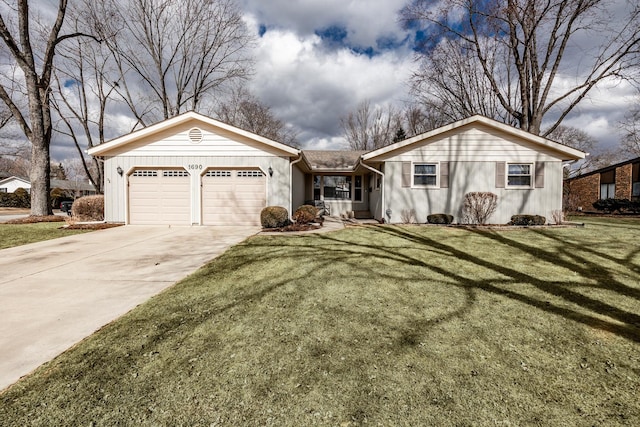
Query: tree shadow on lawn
(627, 324)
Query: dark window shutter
(444, 174)
(406, 174)
(539, 175)
(500, 174)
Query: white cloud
(365, 23)
(313, 87)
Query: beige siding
(175, 142)
(474, 143)
(465, 177)
(298, 196)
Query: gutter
(381, 186)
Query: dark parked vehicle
(66, 206)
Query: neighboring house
(195, 170)
(619, 181)
(12, 183)
(73, 188)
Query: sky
(317, 60)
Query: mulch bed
(295, 227)
(96, 226)
(33, 219)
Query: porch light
(270, 171)
(119, 170)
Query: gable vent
(195, 135)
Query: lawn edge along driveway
(57, 292)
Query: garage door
(159, 196)
(233, 197)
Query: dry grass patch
(370, 326)
(21, 234)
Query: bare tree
(451, 83)
(630, 128)
(579, 139)
(173, 54)
(85, 83)
(245, 111)
(369, 127)
(520, 46)
(36, 68)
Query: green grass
(406, 325)
(21, 234)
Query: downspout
(291, 183)
(382, 186)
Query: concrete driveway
(55, 293)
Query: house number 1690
(195, 167)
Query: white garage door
(159, 196)
(233, 197)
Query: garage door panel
(160, 196)
(233, 197)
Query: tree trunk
(40, 179)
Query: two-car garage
(227, 197)
(194, 170)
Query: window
(519, 175)
(337, 187)
(608, 184)
(3, 190)
(357, 188)
(425, 175)
(607, 191)
(635, 191)
(316, 187)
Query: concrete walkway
(55, 293)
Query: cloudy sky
(317, 60)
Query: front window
(3, 190)
(337, 187)
(519, 175)
(425, 175)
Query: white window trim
(532, 176)
(413, 172)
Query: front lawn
(382, 325)
(20, 234)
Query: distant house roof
(332, 160)
(69, 184)
(606, 168)
(14, 178)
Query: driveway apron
(55, 293)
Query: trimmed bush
(24, 198)
(478, 207)
(305, 214)
(439, 219)
(528, 220)
(88, 208)
(612, 205)
(274, 217)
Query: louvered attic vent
(195, 135)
